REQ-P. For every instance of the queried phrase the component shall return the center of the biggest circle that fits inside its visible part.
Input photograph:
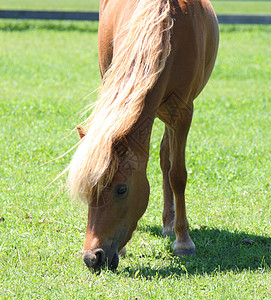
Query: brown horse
(155, 58)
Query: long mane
(143, 46)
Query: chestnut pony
(155, 57)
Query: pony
(155, 57)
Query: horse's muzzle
(94, 259)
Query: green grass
(45, 72)
(77, 5)
(242, 7)
(220, 6)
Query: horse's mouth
(114, 262)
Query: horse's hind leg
(183, 244)
(168, 212)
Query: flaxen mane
(143, 47)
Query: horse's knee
(178, 179)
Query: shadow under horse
(217, 251)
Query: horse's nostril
(94, 259)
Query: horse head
(114, 210)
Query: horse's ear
(81, 131)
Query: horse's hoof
(184, 252)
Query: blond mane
(143, 46)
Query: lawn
(220, 6)
(46, 69)
(247, 7)
(77, 5)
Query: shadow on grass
(217, 250)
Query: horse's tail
(140, 53)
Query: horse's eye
(121, 189)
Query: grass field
(220, 6)
(77, 5)
(46, 69)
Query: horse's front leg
(183, 244)
(168, 211)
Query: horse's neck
(103, 4)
